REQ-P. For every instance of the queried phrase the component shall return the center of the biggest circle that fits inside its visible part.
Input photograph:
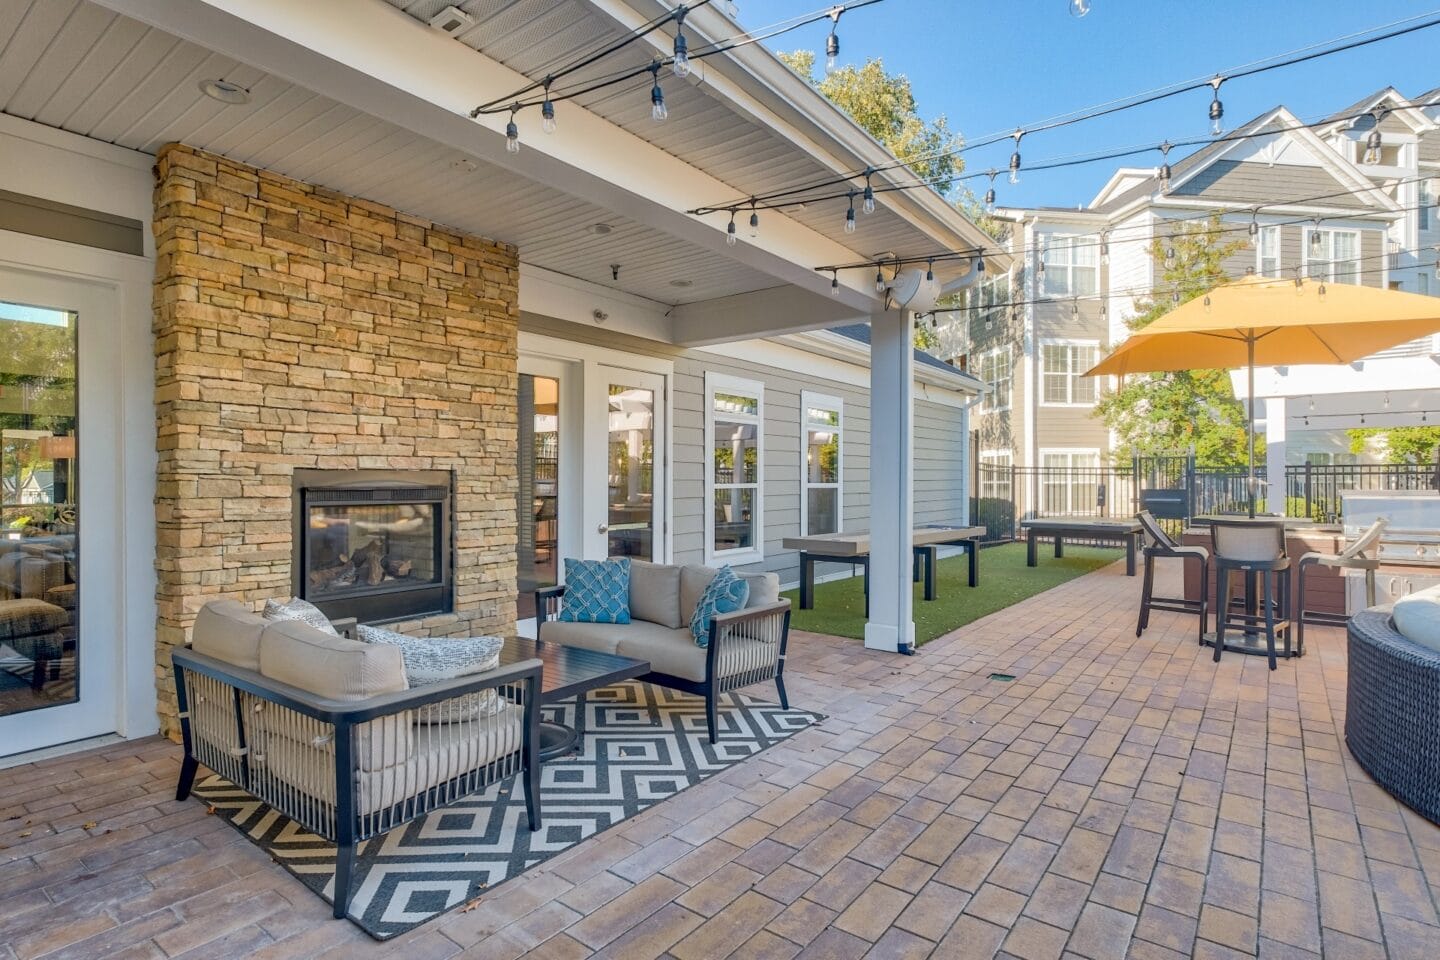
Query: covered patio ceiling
(364, 98)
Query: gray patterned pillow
(432, 659)
(302, 610)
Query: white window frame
(995, 458)
(995, 401)
(1070, 453)
(723, 383)
(823, 402)
(1075, 245)
(1268, 234)
(1328, 275)
(1425, 204)
(1073, 374)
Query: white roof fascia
(1307, 209)
(838, 347)
(1124, 173)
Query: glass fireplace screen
(360, 548)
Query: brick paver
(1120, 797)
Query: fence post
(1308, 488)
(1014, 506)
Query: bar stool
(1352, 557)
(1257, 550)
(1158, 543)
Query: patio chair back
(1248, 541)
(1154, 532)
(1366, 540)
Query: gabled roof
(1353, 116)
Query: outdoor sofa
(324, 730)
(745, 647)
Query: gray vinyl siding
(939, 463)
(1259, 183)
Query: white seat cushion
(1417, 617)
(669, 651)
(230, 631)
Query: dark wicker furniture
(1160, 545)
(1392, 711)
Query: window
(820, 501)
(1335, 257)
(1062, 373)
(1069, 481)
(734, 428)
(1267, 252)
(1324, 459)
(1426, 204)
(988, 300)
(995, 474)
(994, 369)
(1071, 266)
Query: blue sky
(989, 67)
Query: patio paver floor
(1120, 797)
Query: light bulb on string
(850, 215)
(1164, 171)
(1437, 263)
(1315, 236)
(980, 261)
(754, 222)
(867, 202)
(834, 283)
(879, 279)
(730, 236)
(1175, 294)
(658, 110)
(1169, 258)
(1104, 247)
(1075, 310)
(1078, 8)
(930, 271)
(512, 134)
(1372, 147)
(1015, 157)
(547, 110)
(832, 42)
(1207, 303)
(1217, 109)
(1255, 229)
(681, 61)
(990, 194)
(1321, 292)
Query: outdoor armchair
(1161, 544)
(1353, 557)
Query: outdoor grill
(1409, 548)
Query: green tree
(1402, 444)
(1166, 413)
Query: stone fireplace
(375, 545)
(305, 335)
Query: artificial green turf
(1004, 579)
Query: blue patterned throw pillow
(596, 591)
(725, 594)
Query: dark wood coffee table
(568, 672)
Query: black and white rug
(642, 745)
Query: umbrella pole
(1250, 433)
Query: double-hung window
(1062, 365)
(820, 502)
(1069, 481)
(1267, 252)
(735, 433)
(1072, 266)
(1426, 204)
(1334, 256)
(995, 479)
(994, 369)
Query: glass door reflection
(538, 503)
(630, 471)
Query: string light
(980, 261)
(680, 63)
(658, 110)
(1075, 310)
(1015, 157)
(1164, 173)
(1169, 258)
(730, 236)
(868, 201)
(1175, 294)
(930, 271)
(850, 215)
(879, 279)
(754, 222)
(512, 135)
(1255, 229)
(1321, 291)
(1105, 247)
(832, 42)
(834, 283)
(1315, 236)
(547, 110)
(1207, 303)
(1217, 109)
(990, 193)
(1078, 8)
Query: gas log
(369, 565)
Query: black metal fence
(1002, 496)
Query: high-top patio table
(854, 548)
(1128, 531)
(569, 672)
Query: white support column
(1275, 453)
(891, 624)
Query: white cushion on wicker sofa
(1417, 617)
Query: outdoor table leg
(926, 557)
(1130, 555)
(1059, 547)
(1030, 560)
(580, 722)
(807, 581)
(972, 547)
(865, 572)
(915, 565)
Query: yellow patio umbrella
(1260, 320)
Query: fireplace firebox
(373, 544)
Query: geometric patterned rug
(643, 744)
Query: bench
(1126, 531)
(854, 549)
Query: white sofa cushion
(655, 593)
(1417, 617)
(669, 651)
(230, 631)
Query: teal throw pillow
(596, 591)
(725, 594)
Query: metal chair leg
(1267, 581)
(1298, 621)
(1222, 616)
(1145, 591)
(1204, 599)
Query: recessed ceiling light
(225, 91)
(465, 164)
(682, 283)
(600, 229)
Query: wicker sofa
(745, 647)
(1392, 711)
(324, 729)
